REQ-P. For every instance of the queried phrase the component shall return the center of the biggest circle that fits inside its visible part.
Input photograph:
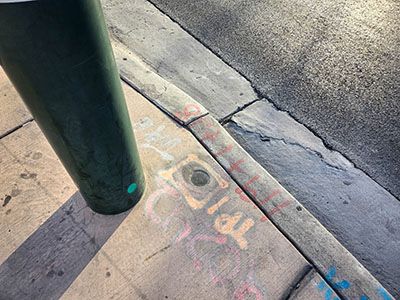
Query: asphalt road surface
(333, 65)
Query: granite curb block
(338, 266)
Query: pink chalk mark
(235, 271)
(187, 113)
(248, 286)
(210, 136)
(241, 195)
(220, 239)
(224, 150)
(269, 197)
(198, 122)
(235, 166)
(278, 208)
(176, 213)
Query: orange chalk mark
(216, 206)
(225, 224)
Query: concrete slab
(12, 111)
(306, 289)
(177, 56)
(315, 242)
(190, 228)
(33, 185)
(162, 93)
(191, 231)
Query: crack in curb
(265, 138)
(229, 116)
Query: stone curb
(340, 268)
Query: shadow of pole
(47, 263)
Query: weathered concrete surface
(172, 243)
(306, 289)
(302, 228)
(172, 100)
(33, 185)
(177, 56)
(334, 65)
(190, 236)
(12, 111)
(378, 258)
(356, 210)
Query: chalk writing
(383, 294)
(167, 191)
(235, 166)
(225, 223)
(190, 110)
(225, 237)
(216, 206)
(156, 140)
(249, 286)
(339, 285)
(224, 150)
(210, 136)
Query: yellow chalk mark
(238, 234)
(225, 224)
(216, 206)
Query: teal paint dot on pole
(132, 188)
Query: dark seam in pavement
(250, 196)
(265, 138)
(229, 116)
(16, 128)
(266, 97)
(297, 282)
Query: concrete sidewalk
(358, 212)
(212, 225)
(191, 236)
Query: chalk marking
(278, 208)
(269, 197)
(168, 143)
(197, 122)
(216, 206)
(194, 203)
(224, 150)
(225, 223)
(249, 286)
(211, 136)
(187, 113)
(340, 285)
(166, 190)
(235, 166)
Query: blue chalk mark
(328, 295)
(342, 285)
(339, 285)
(363, 298)
(132, 188)
(383, 294)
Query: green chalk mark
(132, 188)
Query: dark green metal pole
(58, 55)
